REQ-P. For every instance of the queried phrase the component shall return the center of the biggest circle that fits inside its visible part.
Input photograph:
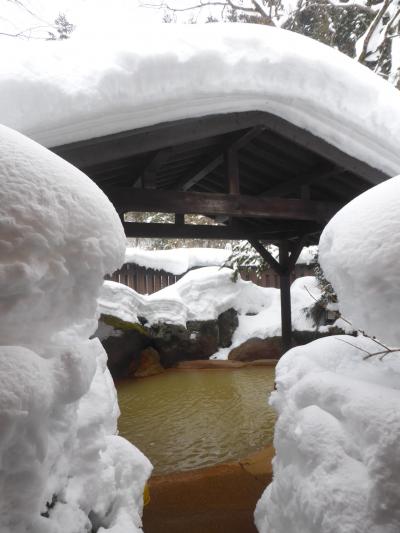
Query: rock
(227, 323)
(123, 342)
(177, 343)
(149, 364)
(255, 348)
(204, 338)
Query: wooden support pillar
(232, 171)
(179, 219)
(286, 310)
(288, 255)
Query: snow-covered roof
(62, 92)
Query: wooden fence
(146, 281)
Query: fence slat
(148, 281)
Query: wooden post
(286, 311)
(288, 255)
(179, 219)
(232, 171)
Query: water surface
(185, 419)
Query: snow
(204, 294)
(359, 253)
(54, 251)
(307, 255)
(59, 452)
(84, 88)
(178, 260)
(266, 322)
(337, 438)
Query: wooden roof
(258, 175)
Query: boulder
(204, 338)
(123, 342)
(149, 364)
(256, 348)
(227, 323)
(175, 343)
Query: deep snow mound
(62, 465)
(155, 74)
(337, 437)
(205, 293)
(178, 260)
(360, 254)
(59, 235)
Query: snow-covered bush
(337, 438)
(360, 253)
(62, 467)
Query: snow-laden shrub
(360, 253)
(337, 441)
(62, 467)
(337, 438)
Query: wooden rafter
(321, 173)
(118, 146)
(217, 159)
(148, 176)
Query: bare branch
(354, 346)
(370, 32)
(26, 33)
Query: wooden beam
(148, 176)
(151, 138)
(179, 219)
(266, 255)
(295, 251)
(232, 205)
(192, 231)
(184, 231)
(321, 173)
(305, 192)
(117, 146)
(201, 172)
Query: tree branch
(370, 32)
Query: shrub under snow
(337, 438)
(62, 467)
(360, 253)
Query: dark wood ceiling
(258, 175)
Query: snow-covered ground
(337, 439)
(121, 80)
(204, 294)
(63, 469)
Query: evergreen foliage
(368, 30)
(62, 29)
(245, 258)
(328, 295)
(337, 25)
